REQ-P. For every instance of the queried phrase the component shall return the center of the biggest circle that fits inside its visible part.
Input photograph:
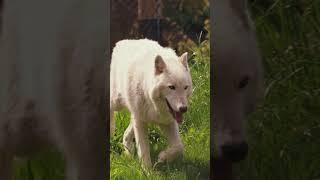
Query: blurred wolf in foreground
(237, 82)
(153, 83)
(238, 79)
(52, 84)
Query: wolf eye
(172, 87)
(244, 82)
(186, 87)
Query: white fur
(135, 85)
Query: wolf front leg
(84, 144)
(175, 147)
(142, 142)
(128, 138)
(112, 123)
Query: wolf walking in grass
(154, 84)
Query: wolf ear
(184, 59)
(159, 64)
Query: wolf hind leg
(112, 123)
(128, 139)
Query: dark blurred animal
(52, 83)
(238, 79)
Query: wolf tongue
(179, 117)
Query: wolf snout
(183, 109)
(235, 152)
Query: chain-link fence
(143, 19)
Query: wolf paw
(170, 154)
(146, 165)
(128, 148)
(163, 156)
(158, 164)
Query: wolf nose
(235, 152)
(183, 109)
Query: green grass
(47, 165)
(284, 133)
(195, 132)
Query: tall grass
(284, 133)
(195, 133)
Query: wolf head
(237, 78)
(173, 84)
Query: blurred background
(175, 23)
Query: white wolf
(153, 83)
(52, 84)
(238, 77)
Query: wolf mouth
(176, 115)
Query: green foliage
(44, 166)
(200, 49)
(189, 14)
